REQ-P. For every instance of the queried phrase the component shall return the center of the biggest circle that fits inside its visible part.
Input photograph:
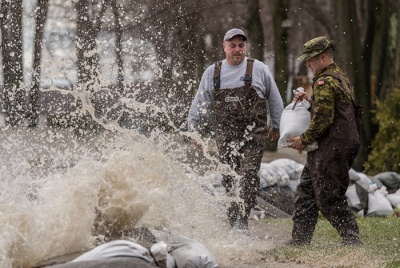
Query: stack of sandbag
(378, 204)
(391, 180)
(295, 119)
(366, 182)
(189, 253)
(372, 194)
(353, 175)
(271, 175)
(353, 199)
(364, 185)
(123, 253)
(278, 181)
(351, 193)
(292, 169)
(182, 252)
(368, 195)
(394, 199)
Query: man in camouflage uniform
(238, 91)
(325, 177)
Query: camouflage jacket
(326, 90)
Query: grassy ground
(381, 237)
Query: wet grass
(381, 237)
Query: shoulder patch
(321, 82)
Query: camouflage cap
(316, 46)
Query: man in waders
(238, 91)
(325, 177)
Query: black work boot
(236, 218)
(350, 237)
(350, 234)
(301, 235)
(234, 214)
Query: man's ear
(323, 56)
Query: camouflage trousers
(244, 156)
(323, 185)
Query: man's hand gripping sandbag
(295, 120)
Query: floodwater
(54, 183)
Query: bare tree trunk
(254, 26)
(88, 59)
(165, 33)
(118, 45)
(190, 41)
(394, 74)
(11, 46)
(34, 105)
(351, 50)
(280, 15)
(388, 70)
(88, 64)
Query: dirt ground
(275, 233)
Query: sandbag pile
(368, 195)
(377, 195)
(189, 253)
(282, 172)
(278, 181)
(182, 252)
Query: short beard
(238, 59)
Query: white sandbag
(267, 178)
(281, 175)
(366, 183)
(353, 175)
(189, 253)
(390, 179)
(378, 204)
(114, 249)
(352, 197)
(271, 175)
(159, 251)
(394, 199)
(291, 167)
(292, 184)
(294, 123)
(161, 236)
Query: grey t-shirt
(232, 76)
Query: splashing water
(61, 192)
(52, 182)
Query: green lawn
(381, 237)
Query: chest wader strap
(217, 75)
(248, 78)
